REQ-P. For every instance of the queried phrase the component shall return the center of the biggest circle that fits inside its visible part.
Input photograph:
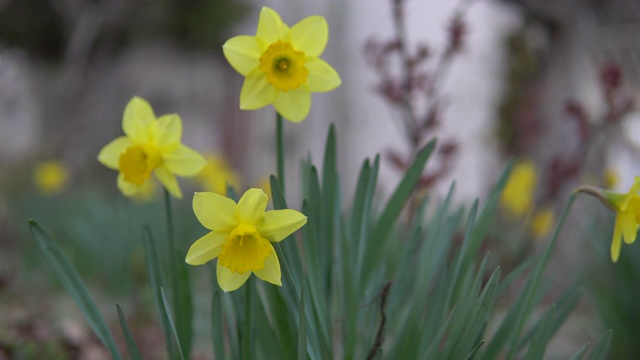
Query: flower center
(244, 250)
(284, 66)
(137, 162)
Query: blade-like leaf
(473, 351)
(302, 334)
(394, 206)
(156, 282)
(167, 310)
(184, 305)
(134, 352)
(580, 354)
(71, 281)
(602, 347)
(217, 325)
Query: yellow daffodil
(519, 191)
(610, 178)
(241, 236)
(217, 175)
(627, 208)
(149, 146)
(281, 64)
(542, 223)
(50, 177)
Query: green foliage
(75, 287)
(132, 347)
(156, 281)
(614, 287)
(403, 280)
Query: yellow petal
(183, 161)
(256, 91)
(168, 180)
(228, 280)
(310, 35)
(206, 248)
(215, 212)
(109, 156)
(628, 226)
(243, 53)
(137, 120)
(322, 77)
(278, 224)
(270, 28)
(634, 206)
(251, 206)
(293, 105)
(127, 188)
(616, 241)
(271, 270)
(169, 129)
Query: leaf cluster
(371, 280)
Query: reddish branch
(379, 336)
(415, 89)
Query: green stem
(558, 228)
(247, 336)
(173, 276)
(280, 148)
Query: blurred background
(549, 85)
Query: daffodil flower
(241, 236)
(542, 222)
(50, 177)
(281, 65)
(627, 208)
(149, 146)
(518, 193)
(217, 175)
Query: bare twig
(380, 335)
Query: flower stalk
(173, 273)
(280, 149)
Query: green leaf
(302, 334)
(71, 281)
(378, 354)
(580, 354)
(473, 351)
(156, 282)
(511, 328)
(541, 336)
(361, 215)
(465, 256)
(134, 352)
(430, 350)
(403, 192)
(167, 310)
(184, 303)
(217, 325)
(602, 347)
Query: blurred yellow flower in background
(281, 64)
(610, 178)
(241, 236)
(627, 208)
(50, 177)
(265, 184)
(150, 145)
(542, 222)
(217, 175)
(518, 194)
